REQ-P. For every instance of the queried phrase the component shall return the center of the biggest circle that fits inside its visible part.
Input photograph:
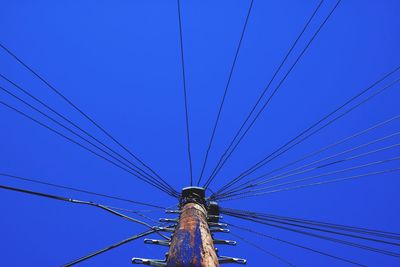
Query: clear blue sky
(120, 62)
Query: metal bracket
(157, 242)
(155, 263)
(172, 211)
(169, 220)
(168, 229)
(219, 230)
(224, 242)
(217, 224)
(213, 217)
(193, 194)
(224, 259)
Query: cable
(324, 174)
(271, 156)
(309, 155)
(222, 163)
(268, 158)
(214, 129)
(342, 161)
(285, 175)
(297, 245)
(254, 191)
(313, 227)
(93, 204)
(96, 253)
(279, 221)
(352, 229)
(85, 139)
(340, 241)
(26, 92)
(264, 250)
(80, 145)
(319, 183)
(80, 190)
(55, 90)
(185, 94)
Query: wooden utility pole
(192, 244)
(192, 241)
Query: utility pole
(192, 244)
(192, 240)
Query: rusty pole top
(192, 241)
(192, 244)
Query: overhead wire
(282, 149)
(342, 161)
(369, 164)
(88, 203)
(297, 245)
(136, 212)
(347, 228)
(314, 153)
(328, 238)
(302, 170)
(185, 94)
(270, 82)
(214, 129)
(81, 190)
(318, 183)
(96, 253)
(80, 111)
(36, 99)
(138, 172)
(223, 160)
(280, 258)
(82, 146)
(314, 228)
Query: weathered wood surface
(192, 244)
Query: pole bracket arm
(224, 259)
(157, 242)
(150, 262)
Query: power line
(342, 161)
(319, 183)
(313, 228)
(308, 155)
(264, 250)
(298, 245)
(324, 174)
(93, 204)
(96, 253)
(185, 93)
(55, 90)
(26, 92)
(302, 171)
(80, 190)
(140, 172)
(272, 155)
(88, 203)
(214, 129)
(368, 235)
(335, 240)
(222, 161)
(82, 146)
(347, 228)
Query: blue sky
(120, 62)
